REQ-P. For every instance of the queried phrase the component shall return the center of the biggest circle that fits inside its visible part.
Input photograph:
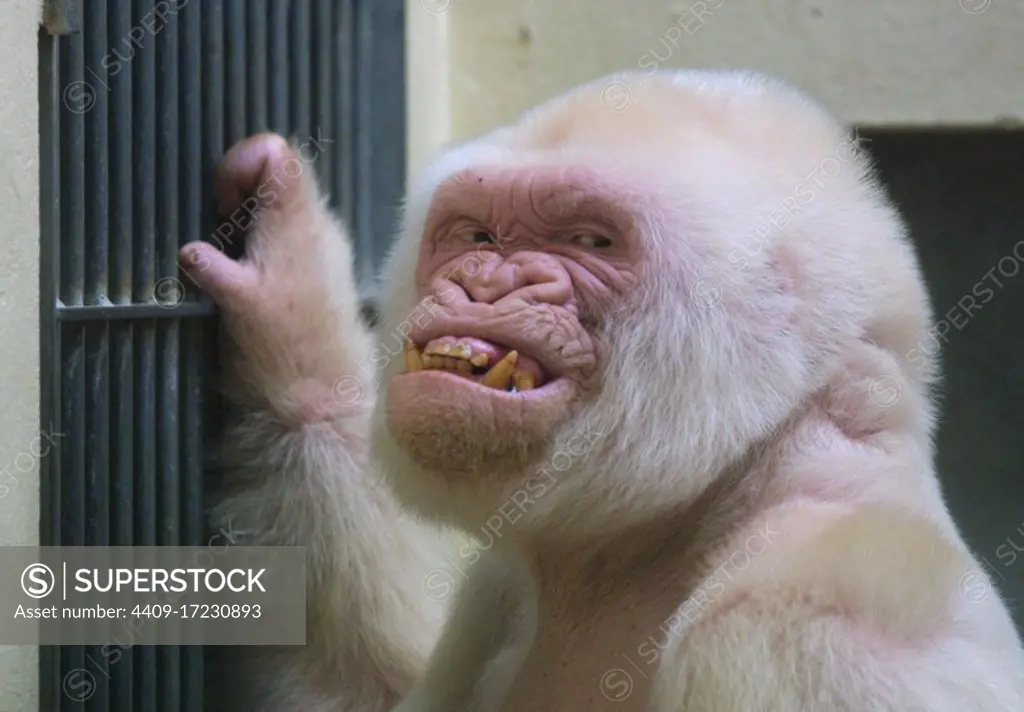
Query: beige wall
(19, 316)
(475, 63)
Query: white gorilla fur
(791, 385)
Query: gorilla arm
(296, 461)
(484, 641)
(838, 618)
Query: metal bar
(49, 353)
(166, 193)
(118, 75)
(144, 505)
(136, 311)
(167, 241)
(73, 509)
(145, 668)
(213, 126)
(122, 481)
(72, 250)
(191, 183)
(341, 154)
(219, 109)
(144, 159)
(97, 473)
(190, 179)
(237, 68)
(167, 129)
(277, 77)
(256, 76)
(49, 275)
(75, 94)
(96, 337)
(169, 489)
(97, 224)
(118, 67)
(300, 72)
(191, 424)
(381, 128)
(192, 382)
(322, 116)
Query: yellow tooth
(462, 351)
(501, 375)
(523, 381)
(428, 361)
(452, 364)
(464, 366)
(413, 362)
(479, 360)
(440, 349)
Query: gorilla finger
(225, 280)
(256, 174)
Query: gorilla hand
(289, 305)
(294, 463)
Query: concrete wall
(475, 63)
(20, 445)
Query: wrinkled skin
(529, 260)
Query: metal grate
(138, 100)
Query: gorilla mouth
(483, 362)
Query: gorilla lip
(544, 392)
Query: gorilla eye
(480, 237)
(587, 239)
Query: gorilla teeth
(446, 363)
(500, 375)
(461, 351)
(459, 358)
(457, 351)
(413, 361)
(523, 381)
(438, 358)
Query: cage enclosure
(138, 101)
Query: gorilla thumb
(224, 279)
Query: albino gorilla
(646, 425)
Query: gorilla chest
(599, 660)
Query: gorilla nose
(533, 276)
